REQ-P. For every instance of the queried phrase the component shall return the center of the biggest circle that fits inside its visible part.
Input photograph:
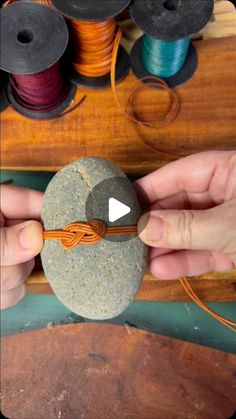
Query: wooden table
(212, 287)
(207, 121)
(101, 371)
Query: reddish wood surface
(97, 371)
(207, 121)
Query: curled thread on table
(174, 102)
(161, 120)
(92, 44)
(93, 232)
(164, 58)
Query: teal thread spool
(165, 50)
(164, 58)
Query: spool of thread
(3, 97)
(164, 58)
(92, 27)
(33, 42)
(165, 50)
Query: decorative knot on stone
(86, 233)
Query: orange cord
(189, 290)
(86, 233)
(93, 46)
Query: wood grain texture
(101, 371)
(207, 121)
(210, 287)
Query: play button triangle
(117, 210)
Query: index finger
(21, 203)
(194, 173)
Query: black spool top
(171, 19)
(90, 10)
(33, 37)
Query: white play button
(117, 210)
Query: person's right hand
(21, 240)
(191, 225)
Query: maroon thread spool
(33, 40)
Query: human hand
(20, 240)
(191, 226)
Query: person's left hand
(21, 240)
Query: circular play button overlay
(114, 202)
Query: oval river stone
(95, 281)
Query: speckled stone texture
(97, 281)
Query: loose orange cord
(94, 231)
(173, 105)
(164, 119)
(189, 290)
(93, 46)
(86, 233)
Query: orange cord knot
(78, 233)
(87, 233)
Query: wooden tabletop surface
(108, 371)
(207, 120)
(217, 287)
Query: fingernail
(27, 236)
(154, 229)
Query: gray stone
(96, 281)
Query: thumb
(20, 242)
(212, 229)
